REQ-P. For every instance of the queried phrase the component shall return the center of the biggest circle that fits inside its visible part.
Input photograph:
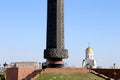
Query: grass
(68, 76)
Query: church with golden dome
(89, 61)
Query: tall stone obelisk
(55, 52)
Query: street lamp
(5, 64)
(39, 69)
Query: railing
(32, 75)
(110, 73)
(98, 74)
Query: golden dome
(89, 50)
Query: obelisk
(55, 52)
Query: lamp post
(114, 73)
(114, 65)
(39, 69)
(5, 65)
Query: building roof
(24, 65)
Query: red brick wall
(23, 72)
(12, 74)
(18, 73)
(65, 70)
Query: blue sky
(23, 30)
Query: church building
(89, 61)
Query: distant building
(20, 70)
(89, 61)
(23, 65)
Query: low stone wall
(65, 70)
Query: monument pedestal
(54, 57)
(56, 64)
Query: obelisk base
(55, 64)
(54, 57)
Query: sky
(23, 30)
